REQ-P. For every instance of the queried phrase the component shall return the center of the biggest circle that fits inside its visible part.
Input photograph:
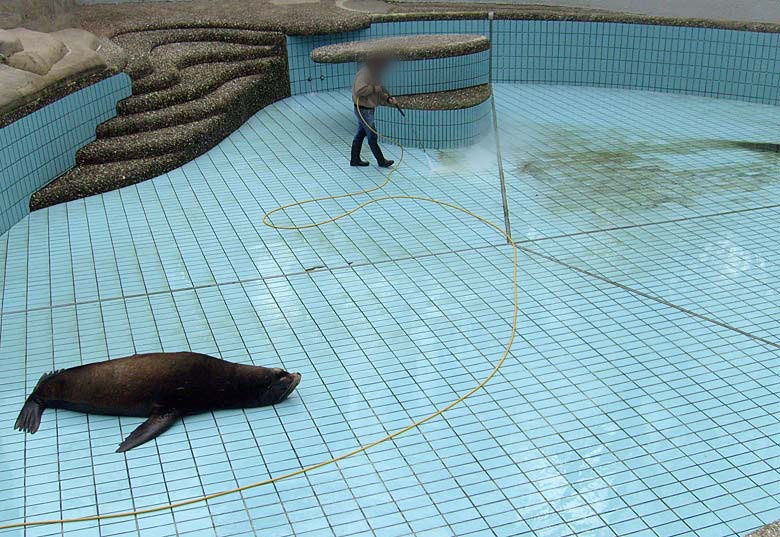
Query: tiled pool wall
(307, 76)
(434, 129)
(407, 77)
(41, 146)
(732, 64)
(440, 74)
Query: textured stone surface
(293, 19)
(39, 51)
(408, 47)
(754, 10)
(770, 530)
(227, 96)
(9, 43)
(191, 88)
(445, 100)
(328, 17)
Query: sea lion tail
(30, 417)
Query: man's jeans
(364, 131)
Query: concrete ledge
(410, 47)
(445, 100)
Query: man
(368, 89)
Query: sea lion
(161, 386)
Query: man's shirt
(367, 88)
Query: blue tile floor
(615, 415)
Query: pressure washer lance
(398, 107)
(416, 138)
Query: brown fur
(161, 386)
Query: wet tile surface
(615, 415)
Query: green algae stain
(756, 146)
(580, 170)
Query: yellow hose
(365, 447)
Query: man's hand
(392, 100)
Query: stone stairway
(190, 89)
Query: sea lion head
(282, 384)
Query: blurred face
(282, 385)
(377, 65)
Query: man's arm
(364, 90)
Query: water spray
(414, 131)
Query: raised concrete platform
(410, 47)
(445, 100)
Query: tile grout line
(436, 254)
(406, 258)
(659, 223)
(650, 296)
(249, 280)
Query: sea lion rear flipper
(157, 424)
(30, 417)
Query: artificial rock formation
(31, 62)
(191, 88)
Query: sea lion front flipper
(157, 424)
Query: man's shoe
(385, 163)
(358, 162)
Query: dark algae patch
(637, 174)
(761, 147)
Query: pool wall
(414, 76)
(434, 129)
(42, 145)
(732, 64)
(439, 74)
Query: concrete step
(170, 59)
(196, 81)
(83, 181)
(192, 88)
(223, 98)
